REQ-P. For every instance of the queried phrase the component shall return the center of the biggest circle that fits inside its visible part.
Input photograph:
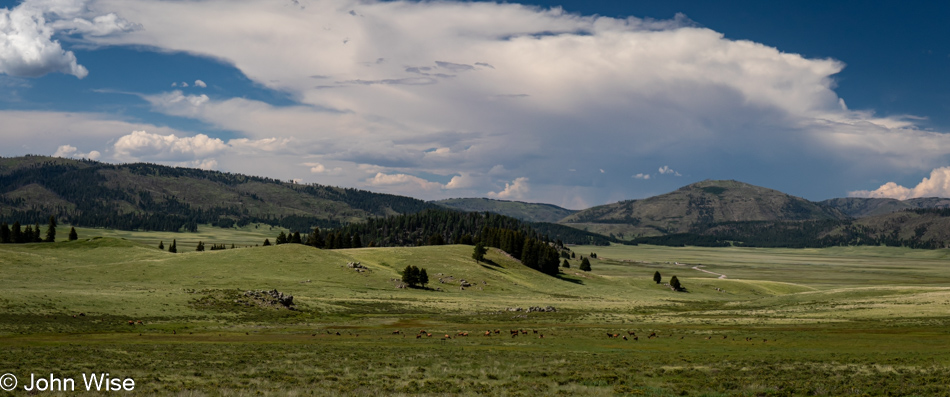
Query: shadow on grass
(560, 276)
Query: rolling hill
(531, 212)
(698, 205)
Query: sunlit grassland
(837, 321)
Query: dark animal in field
(447, 336)
(631, 333)
(625, 337)
(422, 331)
(653, 335)
(610, 335)
(534, 330)
(541, 336)
(419, 336)
(131, 322)
(497, 331)
(514, 335)
(396, 332)
(681, 337)
(636, 338)
(139, 322)
(428, 335)
(338, 333)
(514, 332)
(708, 337)
(764, 340)
(523, 332)
(487, 333)
(725, 337)
(82, 314)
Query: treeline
(442, 226)
(17, 234)
(432, 226)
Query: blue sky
(574, 103)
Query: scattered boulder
(515, 309)
(273, 297)
(464, 283)
(547, 309)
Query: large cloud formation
(938, 185)
(27, 47)
(491, 95)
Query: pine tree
(174, 247)
(436, 239)
(36, 233)
(410, 275)
(266, 242)
(657, 277)
(675, 283)
(423, 277)
(281, 238)
(566, 264)
(161, 245)
(585, 265)
(573, 256)
(315, 239)
(27, 235)
(295, 239)
(479, 254)
(72, 234)
(357, 243)
(51, 230)
(5, 233)
(201, 247)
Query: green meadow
(782, 322)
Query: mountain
(696, 206)
(531, 212)
(857, 207)
(155, 197)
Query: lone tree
(479, 254)
(585, 265)
(295, 239)
(51, 230)
(675, 283)
(657, 277)
(174, 247)
(282, 238)
(161, 245)
(201, 247)
(566, 264)
(266, 242)
(410, 275)
(72, 234)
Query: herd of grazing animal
(630, 335)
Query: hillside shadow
(570, 280)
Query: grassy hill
(531, 212)
(155, 197)
(696, 205)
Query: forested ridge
(154, 197)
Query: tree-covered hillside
(155, 197)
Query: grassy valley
(750, 322)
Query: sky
(573, 103)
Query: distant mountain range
(156, 197)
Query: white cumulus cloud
(72, 151)
(937, 185)
(642, 176)
(666, 170)
(144, 145)
(199, 83)
(516, 190)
